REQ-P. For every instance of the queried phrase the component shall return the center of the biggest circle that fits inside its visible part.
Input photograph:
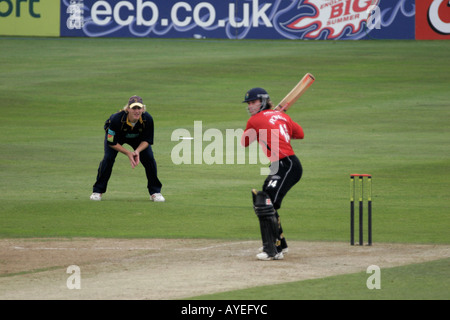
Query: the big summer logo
(333, 19)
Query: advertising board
(29, 18)
(228, 19)
(240, 19)
(432, 19)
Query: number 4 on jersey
(284, 132)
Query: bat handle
(281, 109)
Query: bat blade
(295, 93)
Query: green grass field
(379, 107)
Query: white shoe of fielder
(96, 196)
(264, 256)
(157, 197)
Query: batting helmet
(255, 94)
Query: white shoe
(157, 197)
(96, 196)
(264, 256)
(284, 251)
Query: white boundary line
(135, 248)
(93, 248)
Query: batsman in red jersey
(273, 130)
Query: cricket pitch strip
(166, 269)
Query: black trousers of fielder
(147, 160)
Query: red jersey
(273, 130)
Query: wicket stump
(361, 199)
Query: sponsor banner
(29, 18)
(432, 19)
(240, 19)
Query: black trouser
(277, 184)
(106, 165)
(288, 172)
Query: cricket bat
(295, 93)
